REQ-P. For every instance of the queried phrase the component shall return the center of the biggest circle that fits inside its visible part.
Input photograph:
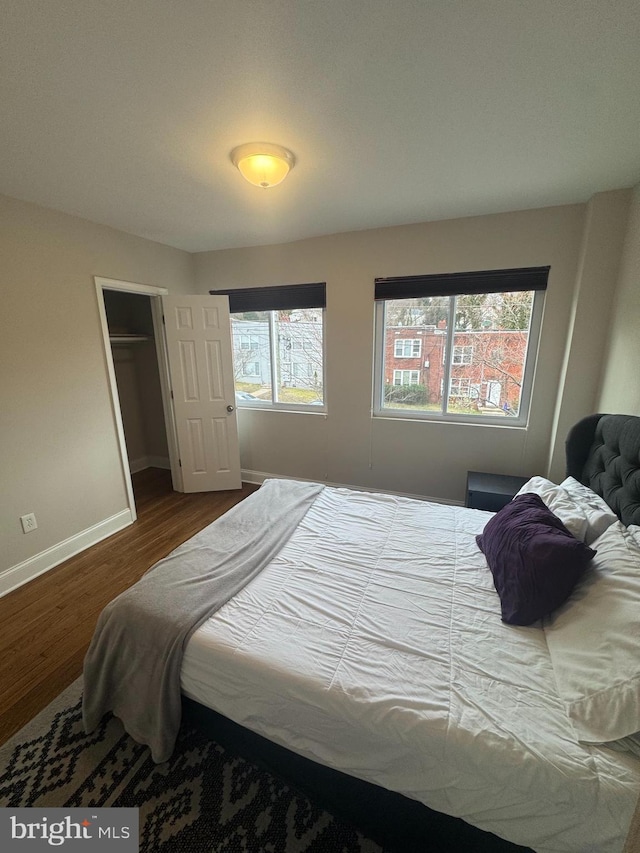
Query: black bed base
(399, 824)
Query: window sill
(268, 407)
(500, 423)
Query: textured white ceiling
(124, 111)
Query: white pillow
(599, 513)
(560, 503)
(594, 642)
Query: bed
(372, 643)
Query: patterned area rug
(203, 799)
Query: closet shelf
(124, 340)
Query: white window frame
(402, 372)
(458, 380)
(404, 342)
(249, 343)
(380, 410)
(462, 354)
(301, 344)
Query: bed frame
(397, 823)
(603, 452)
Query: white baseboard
(17, 575)
(143, 462)
(258, 477)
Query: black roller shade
(450, 284)
(278, 298)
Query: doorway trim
(155, 294)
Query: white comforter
(373, 644)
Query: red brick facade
(486, 371)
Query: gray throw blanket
(133, 664)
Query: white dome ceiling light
(263, 163)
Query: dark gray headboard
(603, 452)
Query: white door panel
(201, 368)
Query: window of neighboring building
(247, 342)
(408, 347)
(462, 355)
(278, 345)
(460, 387)
(302, 343)
(406, 377)
(302, 370)
(477, 334)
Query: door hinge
(164, 322)
(172, 393)
(180, 462)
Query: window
(302, 370)
(462, 355)
(408, 347)
(247, 342)
(476, 335)
(406, 377)
(302, 343)
(278, 345)
(460, 387)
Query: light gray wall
(594, 294)
(430, 459)
(155, 433)
(620, 386)
(59, 455)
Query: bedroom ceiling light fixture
(263, 163)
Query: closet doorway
(135, 351)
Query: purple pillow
(534, 559)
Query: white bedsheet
(373, 644)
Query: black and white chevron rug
(203, 799)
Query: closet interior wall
(136, 367)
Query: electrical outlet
(28, 522)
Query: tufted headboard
(603, 452)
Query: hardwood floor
(47, 624)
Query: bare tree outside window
(300, 341)
(278, 357)
(478, 374)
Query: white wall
(59, 455)
(423, 458)
(620, 386)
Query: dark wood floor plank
(47, 624)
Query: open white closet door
(200, 357)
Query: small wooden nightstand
(491, 491)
